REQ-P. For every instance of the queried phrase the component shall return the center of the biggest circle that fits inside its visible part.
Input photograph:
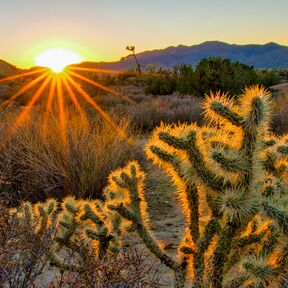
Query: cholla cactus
(87, 230)
(231, 179)
(39, 217)
(83, 227)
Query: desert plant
(26, 240)
(216, 73)
(231, 178)
(38, 166)
(160, 83)
(133, 54)
(130, 268)
(77, 238)
(86, 229)
(184, 79)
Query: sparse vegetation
(30, 239)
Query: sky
(99, 30)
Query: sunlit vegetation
(74, 179)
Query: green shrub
(161, 83)
(214, 74)
(185, 80)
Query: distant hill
(267, 56)
(7, 69)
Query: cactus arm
(196, 158)
(220, 255)
(146, 236)
(227, 113)
(180, 275)
(43, 220)
(228, 164)
(248, 240)
(210, 230)
(283, 149)
(171, 159)
(277, 214)
(193, 204)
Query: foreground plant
(231, 179)
(26, 240)
(79, 238)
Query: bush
(280, 115)
(214, 74)
(150, 112)
(24, 253)
(161, 83)
(185, 80)
(37, 165)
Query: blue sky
(100, 29)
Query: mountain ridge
(262, 56)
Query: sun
(57, 59)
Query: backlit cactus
(231, 179)
(82, 227)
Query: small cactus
(81, 226)
(231, 179)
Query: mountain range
(267, 56)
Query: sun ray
(22, 75)
(74, 100)
(61, 111)
(24, 89)
(118, 94)
(88, 98)
(51, 96)
(22, 117)
(96, 70)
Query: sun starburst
(59, 80)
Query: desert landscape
(163, 167)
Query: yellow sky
(100, 30)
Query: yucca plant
(231, 179)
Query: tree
(133, 54)
(214, 74)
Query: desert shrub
(280, 115)
(214, 74)
(185, 81)
(127, 269)
(268, 78)
(160, 83)
(150, 112)
(231, 179)
(38, 165)
(24, 249)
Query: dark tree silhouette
(132, 50)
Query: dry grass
(148, 111)
(36, 163)
(280, 119)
